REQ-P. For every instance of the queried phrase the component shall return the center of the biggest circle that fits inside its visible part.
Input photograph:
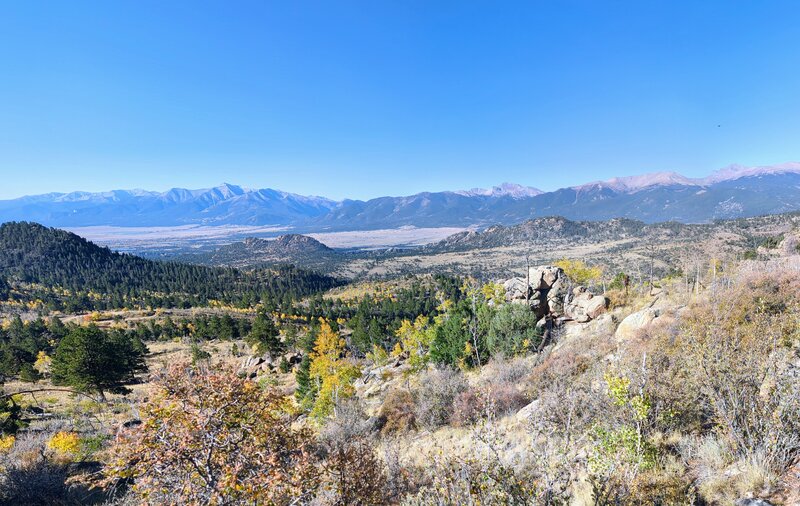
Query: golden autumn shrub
(210, 437)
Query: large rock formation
(585, 306)
(550, 294)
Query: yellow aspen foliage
(579, 272)
(43, 363)
(494, 292)
(445, 305)
(332, 373)
(6, 443)
(462, 362)
(66, 444)
(414, 341)
(398, 349)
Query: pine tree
(10, 416)
(5, 289)
(91, 360)
(263, 335)
(303, 375)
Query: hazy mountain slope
(225, 204)
(729, 193)
(687, 203)
(421, 210)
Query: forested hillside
(37, 259)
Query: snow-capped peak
(506, 189)
(228, 190)
(631, 184)
(732, 172)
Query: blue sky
(362, 99)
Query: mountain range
(732, 192)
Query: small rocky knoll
(553, 297)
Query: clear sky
(362, 99)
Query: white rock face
(543, 276)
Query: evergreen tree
(10, 416)
(263, 335)
(199, 355)
(5, 289)
(303, 376)
(91, 360)
(512, 330)
(57, 328)
(451, 340)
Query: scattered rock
(525, 413)
(596, 306)
(253, 365)
(602, 325)
(293, 358)
(634, 322)
(585, 305)
(753, 502)
(251, 362)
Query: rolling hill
(34, 257)
(500, 250)
(292, 248)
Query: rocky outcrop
(603, 325)
(549, 295)
(256, 365)
(377, 380)
(516, 291)
(585, 306)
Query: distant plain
(186, 238)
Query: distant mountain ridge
(730, 173)
(732, 192)
(224, 204)
(516, 191)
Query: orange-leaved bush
(210, 437)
